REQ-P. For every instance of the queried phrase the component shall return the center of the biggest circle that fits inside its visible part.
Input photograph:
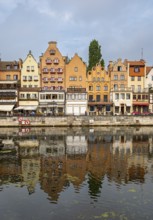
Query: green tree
(95, 55)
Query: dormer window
(8, 67)
(52, 52)
(136, 69)
(15, 67)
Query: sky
(123, 28)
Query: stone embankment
(74, 121)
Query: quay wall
(75, 121)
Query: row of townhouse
(58, 86)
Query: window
(122, 96)
(105, 98)
(132, 78)
(24, 78)
(80, 78)
(8, 77)
(122, 86)
(15, 77)
(32, 68)
(48, 61)
(90, 88)
(128, 96)
(28, 68)
(116, 96)
(75, 69)
(115, 86)
(45, 70)
(102, 79)
(98, 79)
(30, 78)
(97, 88)
(61, 96)
(139, 78)
(139, 97)
(28, 96)
(73, 78)
(119, 68)
(15, 67)
(105, 88)
(56, 61)
(90, 98)
(122, 77)
(136, 69)
(22, 96)
(52, 52)
(115, 77)
(134, 97)
(35, 78)
(139, 88)
(98, 98)
(132, 87)
(8, 67)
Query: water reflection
(59, 159)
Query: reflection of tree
(95, 185)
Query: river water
(77, 173)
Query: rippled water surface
(91, 173)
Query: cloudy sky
(122, 28)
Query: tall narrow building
(75, 81)
(52, 69)
(30, 85)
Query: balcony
(48, 61)
(59, 70)
(125, 89)
(45, 70)
(56, 61)
(79, 90)
(52, 79)
(52, 71)
(60, 80)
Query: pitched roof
(148, 68)
(11, 64)
(136, 63)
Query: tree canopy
(95, 55)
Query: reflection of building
(28, 147)
(76, 145)
(30, 172)
(52, 176)
(122, 143)
(52, 145)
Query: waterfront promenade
(74, 121)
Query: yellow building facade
(30, 84)
(98, 88)
(75, 73)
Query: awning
(6, 108)
(141, 103)
(26, 108)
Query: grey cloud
(121, 27)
